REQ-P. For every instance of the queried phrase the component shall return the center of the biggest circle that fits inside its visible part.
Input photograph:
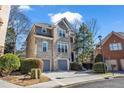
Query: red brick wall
(113, 54)
(108, 54)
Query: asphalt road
(109, 83)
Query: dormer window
(44, 30)
(41, 31)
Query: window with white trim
(44, 46)
(115, 46)
(61, 33)
(62, 47)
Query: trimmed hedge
(75, 66)
(100, 67)
(8, 63)
(28, 64)
(35, 73)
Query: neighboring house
(53, 44)
(113, 50)
(4, 16)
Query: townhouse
(54, 44)
(113, 50)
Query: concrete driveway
(66, 74)
(71, 77)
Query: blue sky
(109, 18)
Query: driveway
(112, 83)
(66, 74)
(72, 77)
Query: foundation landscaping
(21, 72)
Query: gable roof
(68, 24)
(119, 34)
(43, 24)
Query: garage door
(111, 62)
(122, 64)
(62, 65)
(46, 65)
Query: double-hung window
(62, 47)
(44, 46)
(61, 33)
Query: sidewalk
(5, 84)
(67, 81)
(64, 82)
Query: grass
(24, 81)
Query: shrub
(75, 66)
(100, 67)
(8, 63)
(99, 58)
(35, 73)
(28, 64)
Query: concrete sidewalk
(5, 84)
(67, 81)
(61, 82)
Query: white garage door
(122, 64)
(111, 62)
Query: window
(44, 46)
(62, 47)
(44, 30)
(71, 39)
(59, 49)
(40, 30)
(66, 48)
(61, 33)
(115, 46)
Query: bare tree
(20, 23)
(93, 28)
(76, 25)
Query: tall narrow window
(66, 48)
(44, 46)
(58, 46)
(62, 47)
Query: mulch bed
(24, 80)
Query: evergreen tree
(83, 44)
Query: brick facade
(112, 55)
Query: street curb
(79, 83)
(85, 82)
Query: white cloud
(71, 17)
(24, 7)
